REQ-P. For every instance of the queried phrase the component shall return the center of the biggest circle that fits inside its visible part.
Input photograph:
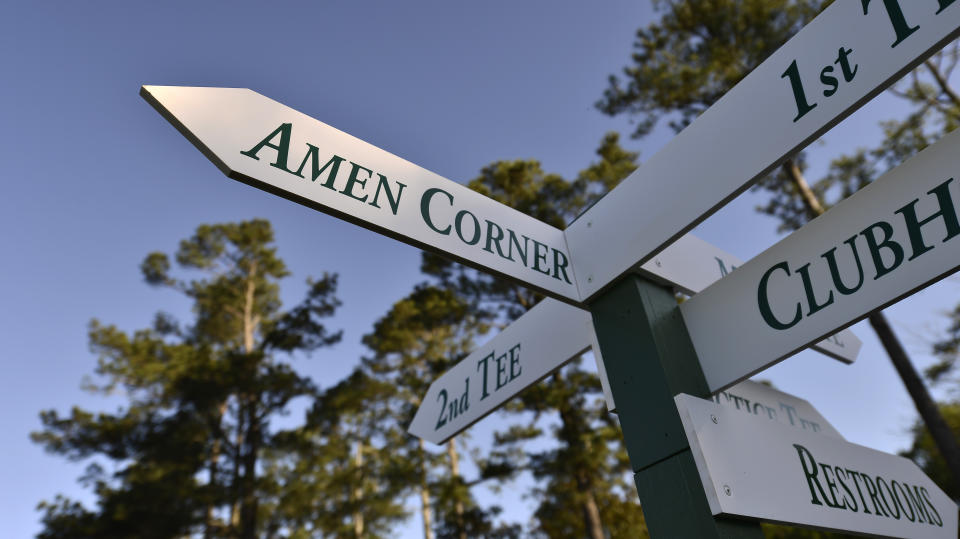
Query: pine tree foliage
(185, 451)
(924, 451)
(581, 481)
(696, 51)
(339, 475)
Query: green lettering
(835, 271)
(560, 264)
(804, 272)
(851, 501)
(844, 60)
(856, 476)
(394, 202)
(539, 255)
(905, 503)
(810, 472)
(899, 22)
(501, 371)
(763, 301)
(522, 252)
(515, 362)
(872, 491)
(313, 155)
(916, 500)
(353, 180)
(947, 211)
(882, 484)
(886, 242)
(793, 72)
(936, 514)
(425, 209)
(283, 148)
(494, 238)
(458, 223)
(484, 362)
(831, 487)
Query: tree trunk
(212, 466)
(425, 497)
(248, 500)
(455, 475)
(939, 430)
(592, 514)
(942, 435)
(235, 482)
(573, 424)
(358, 492)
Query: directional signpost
(776, 473)
(624, 256)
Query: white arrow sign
(758, 400)
(553, 333)
(838, 62)
(772, 472)
(890, 239)
(268, 145)
(501, 368)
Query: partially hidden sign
(893, 237)
(268, 145)
(751, 468)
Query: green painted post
(649, 358)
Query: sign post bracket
(649, 359)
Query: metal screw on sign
(714, 419)
(727, 490)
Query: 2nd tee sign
(259, 141)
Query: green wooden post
(649, 358)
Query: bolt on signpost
(658, 373)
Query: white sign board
(755, 399)
(691, 265)
(773, 472)
(268, 145)
(893, 237)
(838, 62)
(530, 348)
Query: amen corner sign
(776, 473)
(258, 141)
(854, 49)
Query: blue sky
(95, 179)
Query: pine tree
(697, 51)
(422, 336)
(582, 482)
(187, 446)
(339, 475)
